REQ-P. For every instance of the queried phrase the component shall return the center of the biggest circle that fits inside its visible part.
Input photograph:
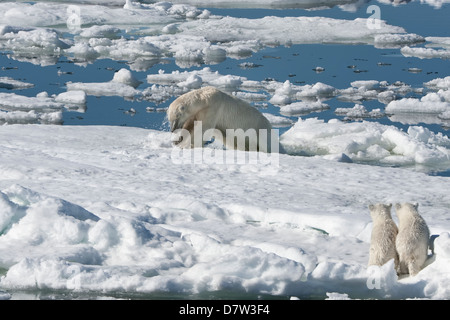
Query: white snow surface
(106, 210)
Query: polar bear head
(185, 109)
(406, 209)
(380, 210)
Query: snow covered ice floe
(119, 217)
(434, 102)
(42, 108)
(368, 142)
(425, 53)
(359, 112)
(278, 121)
(123, 84)
(433, 107)
(10, 83)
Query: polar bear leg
(413, 266)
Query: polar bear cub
(384, 232)
(412, 239)
(223, 116)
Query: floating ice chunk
(192, 82)
(83, 51)
(42, 94)
(435, 3)
(359, 111)
(10, 83)
(72, 97)
(366, 84)
(371, 90)
(439, 83)
(14, 102)
(248, 65)
(278, 99)
(425, 53)
(278, 121)
(283, 94)
(302, 107)
(319, 90)
(367, 141)
(286, 92)
(386, 96)
(319, 69)
(396, 40)
(38, 41)
(228, 82)
(441, 42)
(122, 84)
(250, 96)
(104, 88)
(125, 76)
(159, 93)
(168, 78)
(433, 102)
(32, 116)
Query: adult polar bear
(210, 112)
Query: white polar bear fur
(412, 239)
(217, 110)
(384, 232)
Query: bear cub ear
(389, 205)
(416, 205)
(371, 206)
(398, 206)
